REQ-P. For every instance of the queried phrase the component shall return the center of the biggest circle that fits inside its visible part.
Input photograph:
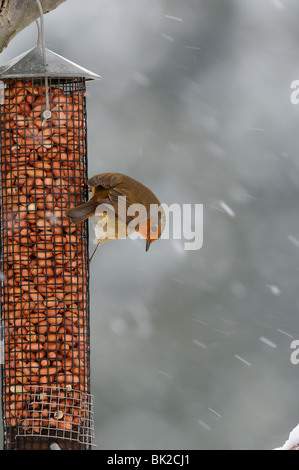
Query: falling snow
(278, 4)
(200, 321)
(204, 425)
(242, 360)
(293, 440)
(268, 342)
(167, 37)
(256, 129)
(193, 47)
(175, 18)
(274, 289)
(165, 374)
(294, 240)
(227, 209)
(285, 333)
(215, 412)
(198, 343)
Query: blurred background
(191, 349)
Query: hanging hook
(47, 114)
(38, 33)
(41, 31)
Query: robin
(117, 196)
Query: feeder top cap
(30, 64)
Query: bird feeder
(46, 401)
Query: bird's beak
(148, 244)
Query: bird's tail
(82, 212)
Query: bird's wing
(120, 200)
(106, 180)
(116, 192)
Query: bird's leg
(97, 246)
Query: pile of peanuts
(44, 256)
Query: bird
(112, 194)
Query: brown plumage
(106, 189)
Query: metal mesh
(44, 257)
(59, 413)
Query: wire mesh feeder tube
(44, 264)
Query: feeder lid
(30, 64)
